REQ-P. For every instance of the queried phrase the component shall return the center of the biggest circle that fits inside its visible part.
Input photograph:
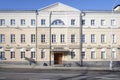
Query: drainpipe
(81, 32)
(36, 32)
(50, 37)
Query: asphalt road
(38, 74)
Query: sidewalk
(60, 68)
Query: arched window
(58, 22)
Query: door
(58, 58)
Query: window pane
(72, 38)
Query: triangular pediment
(58, 7)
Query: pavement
(60, 68)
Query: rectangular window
(103, 55)
(33, 54)
(102, 22)
(72, 38)
(2, 22)
(72, 54)
(62, 38)
(72, 21)
(83, 55)
(32, 22)
(83, 38)
(22, 22)
(2, 55)
(103, 38)
(42, 21)
(113, 38)
(12, 22)
(22, 38)
(32, 38)
(83, 22)
(12, 38)
(42, 38)
(12, 54)
(92, 38)
(113, 54)
(42, 54)
(93, 56)
(92, 22)
(53, 38)
(113, 22)
(2, 38)
(22, 54)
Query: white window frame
(42, 38)
(92, 22)
(42, 54)
(103, 23)
(72, 21)
(93, 38)
(113, 22)
(83, 39)
(12, 54)
(2, 38)
(2, 22)
(22, 38)
(53, 38)
(33, 38)
(32, 22)
(73, 54)
(22, 54)
(43, 22)
(72, 38)
(103, 38)
(113, 38)
(62, 38)
(22, 22)
(12, 38)
(12, 22)
(33, 54)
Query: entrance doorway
(58, 58)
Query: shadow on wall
(31, 60)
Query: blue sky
(37, 4)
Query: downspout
(50, 37)
(36, 33)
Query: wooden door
(57, 58)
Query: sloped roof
(58, 7)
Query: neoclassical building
(60, 35)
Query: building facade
(60, 35)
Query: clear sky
(37, 4)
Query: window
(83, 54)
(72, 21)
(72, 54)
(2, 22)
(22, 38)
(42, 54)
(32, 22)
(72, 38)
(2, 55)
(42, 21)
(22, 54)
(113, 22)
(42, 38)
(113, 55)
(103, 55)
(12, 38)
(92, 38)
(12, 54)
(83, 22)
(53, 38)
(83, 38)
(2, 38)
(58, 22)
(22, 22)
(93, 56)
(32, 38)
(113, 38)
(92, 22)
(12, 22)
(32, 54)
(62, 38)
(102, 22)
(103, 38)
